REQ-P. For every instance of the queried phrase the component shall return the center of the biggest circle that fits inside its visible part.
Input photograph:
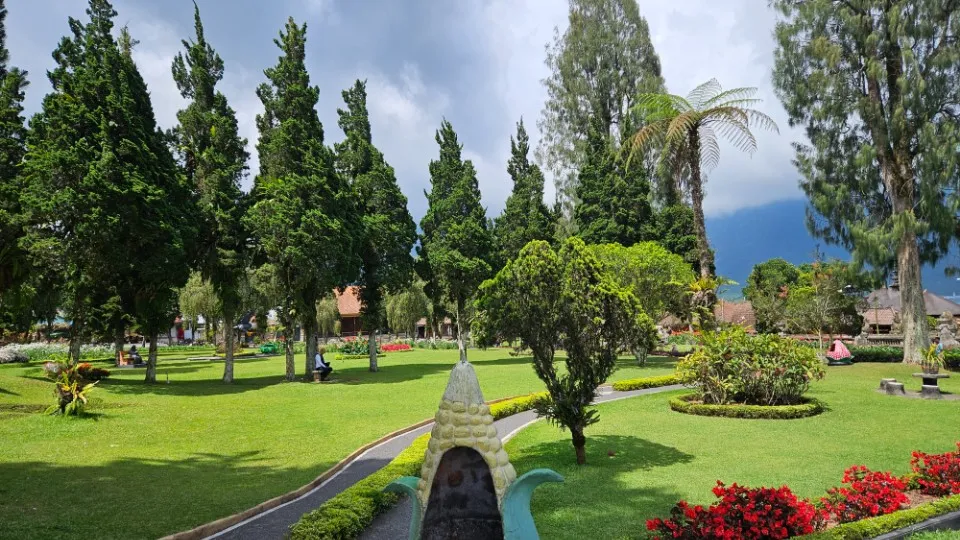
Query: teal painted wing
(517, 520)
(408, 485)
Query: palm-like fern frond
(701, 94)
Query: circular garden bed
(690, 404)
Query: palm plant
(686, 132)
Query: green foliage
(70, 387)
(613, 200)
(598, 65)
(566, 299)
(510, 407)
(388, 231)
(690, 405)
(14, 265)
(525, 217)
(198, 298)
(876, 526)
(407, 307)
(213, 158)
(435, 344)
(346, 515)
(816, 304)
(951, 357)
(643, 383)
(328, 314)
(301, 205)
(658, 278)
(685, 131)
(456, 245)
(732, 367)
(766, 289)
(675, 230)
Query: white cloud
(696, 40)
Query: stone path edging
(247, 524)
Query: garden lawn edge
(876, 526)
(643, 383)
(347, 514)
(684, 404)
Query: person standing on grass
(320, 364)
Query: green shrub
(873, 527)
(731, 367)
(688, 405)
(436, 344)
(951, 357)
(514, 406)
(364, 356)
(646, 382)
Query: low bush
(868, 494)
(882, 354)
(937, 474)
(70, 388)
(731, 367)
(36, 352)
(356, 346)
(436, 344)
(874, 527)
(90, 373)
(353, 510)
(517, 405)
(690, 404)
(742, 513)
(12, 356)
(646, 382)
(364, 356)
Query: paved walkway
(274, 524)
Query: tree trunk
(372, 348)
(151, 376)
(696, 199)
(228, 345)
(579, 445)
(76, 330)
(118, 345)
(309, 327)
(913, 312)
(461, 344)
(641, 355)
(288, 351)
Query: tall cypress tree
(213, 157)
(456, 243)
(303, 216)
(614, 198)
(13, 134)
(388, 230)
(102, 198)
(525, 217)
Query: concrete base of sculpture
(928, 391)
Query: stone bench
(931, 386)
(895, 389)
(884, 382)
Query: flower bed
(869, 504)
(396, 347)
(691, 404)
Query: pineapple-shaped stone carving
(463, 422)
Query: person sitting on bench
(320, 365)
(135, 356)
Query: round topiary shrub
(691, 404)
(730, 367)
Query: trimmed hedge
(646, 382)
(346, 515)
(873, 527)
(517, 405)
(686, 405)
(339, 356)
(951, 357)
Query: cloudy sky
(478, 63)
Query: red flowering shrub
(937, 474)
(90, 373)
(395, 347)
(869, 494)
(741, 513)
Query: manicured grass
(662, 456)
(937, 535)
(157, 459)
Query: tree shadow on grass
(604, 498)
(137, 497)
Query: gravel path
(275, 523)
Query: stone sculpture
(468, 489)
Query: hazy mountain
(750, 236)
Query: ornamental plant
(395, 347)
(91, 373)
(937, 474)
(731, 367)
(70, 388)
(869, 493)
(741, 513)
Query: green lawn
(157, 459)
(663, 456)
